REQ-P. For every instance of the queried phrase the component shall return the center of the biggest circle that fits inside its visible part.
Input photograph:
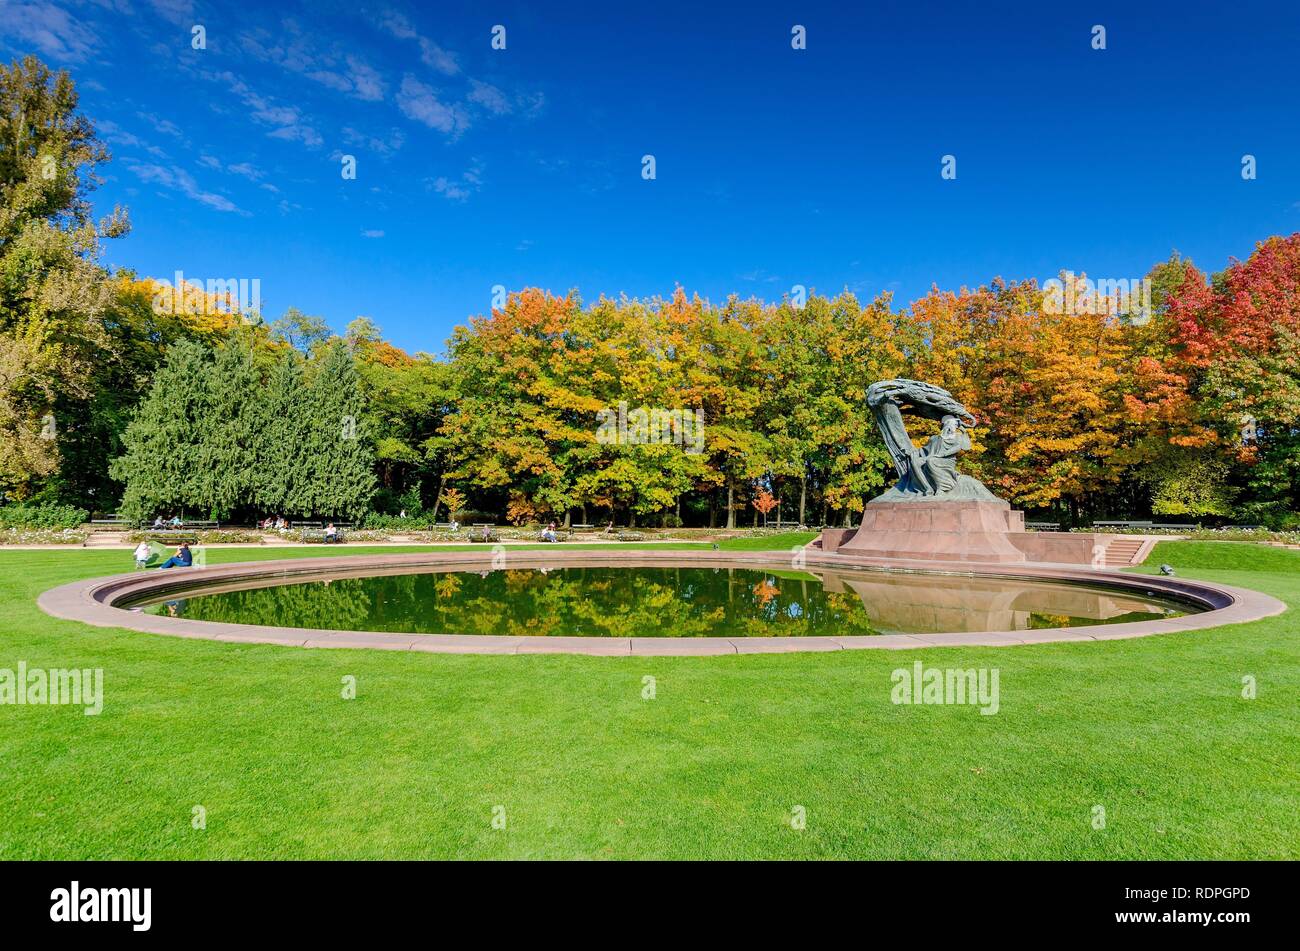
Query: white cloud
(165, 126)
(180, 12)
(431, 54)
(119, 136)
(459, 189)
(177, 179)
(245, 169)
(420, 102)
(50, 29)
(380, 146)
(366, 81)
(489, 97)
(289, 121)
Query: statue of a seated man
(929, 473)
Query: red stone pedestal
(938, 531)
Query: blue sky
(775, 166)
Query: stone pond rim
(93, 601)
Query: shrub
(43, 515)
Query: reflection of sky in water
(665, 602)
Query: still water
(664, 602)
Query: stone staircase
(1126, 551)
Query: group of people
(174, 522)
(182, 559)
(273, 523)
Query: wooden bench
(312, 536)
(1044, 526)
(1138, 524)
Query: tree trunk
(803, 499)
(731, 511)
(567, 516)
(438, 499)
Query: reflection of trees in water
(343, 603)
(601, 602)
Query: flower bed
(42, 536)
(1226, 534)
(212, 536)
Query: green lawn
(1153, 730)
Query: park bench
(1044, 526)
(171, 535)
(583, 528)
(317, 536)
(1139, 525)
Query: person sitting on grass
(182, 558)
(142, 554)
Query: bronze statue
(929, 473)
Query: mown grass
(1155, 731)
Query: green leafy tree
(165, 441)
(226, 477)
(280, 439)
(338, 455)
(54, 297)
